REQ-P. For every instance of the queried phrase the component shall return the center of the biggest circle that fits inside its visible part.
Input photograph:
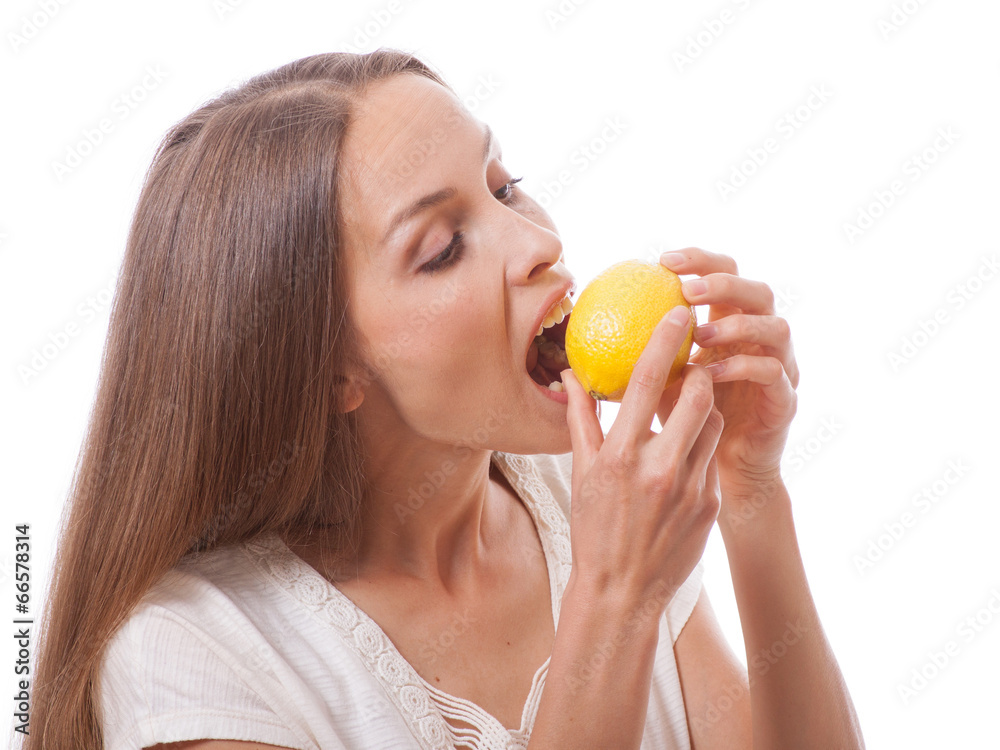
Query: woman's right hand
(643, 502)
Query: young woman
(323, 503)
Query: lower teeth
(557, 387)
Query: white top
(249, 642)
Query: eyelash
(446, 257)
(510, 186)
(453, 252)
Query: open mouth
(547, 353)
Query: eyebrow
(432, 199)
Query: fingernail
(694, 287)
(716, 368)
(562, 376)
(679, 315)
(705, 333)
(672, 259)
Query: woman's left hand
(748, 350)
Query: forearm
(597, 685)
(798, 695)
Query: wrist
(752, 505)
(746, 482)
(617, 610)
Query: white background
(871, 433)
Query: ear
(353, 389)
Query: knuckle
(702, 399)
(649, 376)
(621, 461)
(700, 391)
(774, 367)
(709, 506)
(768, 295)
(664, 481)
(784, 329)
(700, 505)
(715, 421)
(721, 283)
(750, 329)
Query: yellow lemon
(612, 321)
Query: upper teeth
(556, 314)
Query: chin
(549, 439)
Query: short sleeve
(165, 680)
(682, 605)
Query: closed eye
(453, 252)
(446, 257)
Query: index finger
(649, 376)
(697, 261)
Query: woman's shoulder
(224, 574)
(226, 600)
(211, 650)
(206, 597)
(247, 642)
(248, 586)
(216, 639)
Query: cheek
(431, 341)
(450, 345)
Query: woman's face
(452, 269)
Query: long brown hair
(218, 415)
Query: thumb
(585, 431)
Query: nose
(533, 250)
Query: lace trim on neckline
(461, 709)
(424, 706)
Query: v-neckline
(375, 645)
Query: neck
(435, 512)
(428, 513)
